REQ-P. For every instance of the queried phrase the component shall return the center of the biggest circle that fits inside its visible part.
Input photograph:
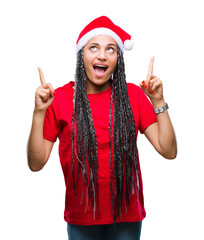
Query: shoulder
(63, 96)
(136, 95)
(67, 89)
(133, 88)
(64, 93)
(134, 91)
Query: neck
(93, 88)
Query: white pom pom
(128, 45)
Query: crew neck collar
(72, 83)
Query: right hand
(44, 94)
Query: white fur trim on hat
(99, 31)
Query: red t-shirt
(57, 124)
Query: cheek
(114, 59)
(87, 71)
(88, 62)
(86, 65)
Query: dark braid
(84, 142)
(124, 141)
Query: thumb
(142, 84)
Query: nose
(102, 55)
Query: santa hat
(104, 26)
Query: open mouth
(99, 69)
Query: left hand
(153, 86)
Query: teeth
(100, 66)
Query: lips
(99, 69)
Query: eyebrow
(109, 44)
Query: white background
(43, 33)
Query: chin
(100, 82)
(97, 85)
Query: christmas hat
(104, 26)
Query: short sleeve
(147, 115)
(51, 127)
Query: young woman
(97, 119)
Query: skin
(160, 134)
(39, 149)
(100, 50)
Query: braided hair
(84, 141)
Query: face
(100, 60)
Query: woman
(97, 119)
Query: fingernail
(46, 101)
(151, 91)
(143, 82)
(53, 94)
(146, 86)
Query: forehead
(102, 39)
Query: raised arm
(160, 134)
(39, 149)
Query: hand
(44, 94)
(152, 87)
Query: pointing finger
(150, 71)
(42, 78)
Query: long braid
(84, 142)
(110, 146)
(124, 141)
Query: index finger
(42, 78)
(150, 71)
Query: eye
(93, 48)
(110, 49)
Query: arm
(39, 149)
(160, 134)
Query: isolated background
(43, 33)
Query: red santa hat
(104, 26)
